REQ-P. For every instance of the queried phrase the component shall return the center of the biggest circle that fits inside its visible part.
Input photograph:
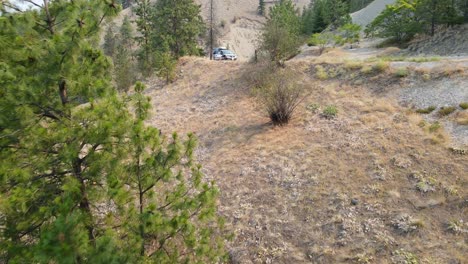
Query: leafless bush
(278, 92)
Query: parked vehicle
(228, 55)
(223, 54)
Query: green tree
(261, 7)
(175, 209)
(165, 66)
(80, 174)
(323, 13)
(280, 37)
(109, 40)
(397, 21)
(321, 40)
(350, 33)
(179, 24)
(144, 13)
(124, 69)
(285, 15)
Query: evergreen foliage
(90, 183)
(406, 18)
(350, 33)
(280, 37)
(261, 7)
(165, 66)
(173, 26)
(124, 68)
(143, 11)
(109, 40)
(178, 23)
(323, 13)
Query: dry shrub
(447, 110)
(461, 118)
(278, 92)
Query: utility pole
(211, 29)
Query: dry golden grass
(317, 190)
(461, 118)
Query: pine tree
(74, 159)
(179, 24)
(124, 70)
(261, 7)
(109, 40)
(165, 65)
(144, 12)
(280, 37)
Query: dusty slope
(241, 23)
(451, 41)
(370, 12)
(318, 190)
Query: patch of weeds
(410, 59)
(402, 256)
(422, 123)
(402, 72)
(427, 110)
(450, 190)
(426, 185)
(407, 224)
(457, 227)
(464, 105)
(458, 151)
(330, 112)
(426, 76)
(363, 258)
(434, 127)
(423, 59)
(321, 73)
(447, 110)
(313, 108)
(380, 66)
(333, 72)
(353, 65)
(366, 69)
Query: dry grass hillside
(377, 184)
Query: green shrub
(367, 69)
(313, 107)
(427, 110)
(330, 112)
(380, 66)
(464, 106)
(445, 111)
(402, 72)
(353, 65)
(321, 73)
(222, 23)
(434, 127)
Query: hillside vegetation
(121, 142)
(371, 184)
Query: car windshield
(228, 52)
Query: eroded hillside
(377, 184)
